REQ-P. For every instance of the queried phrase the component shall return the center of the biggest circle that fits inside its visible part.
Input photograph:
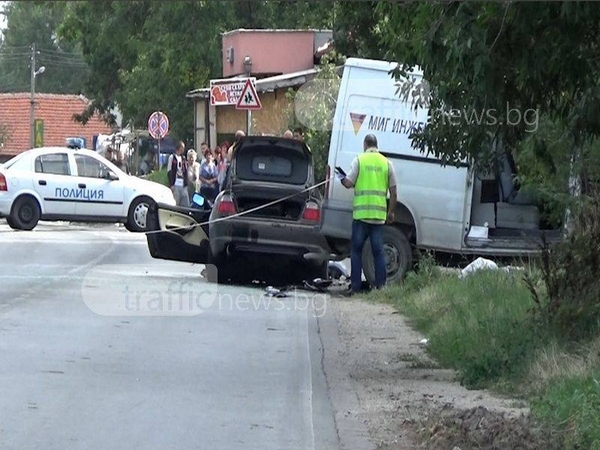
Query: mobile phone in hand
(340, 170)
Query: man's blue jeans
(360, 232)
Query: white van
(443, 208)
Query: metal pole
(159, 138)
(32, 101)
(248, 112)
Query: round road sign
(158, 125)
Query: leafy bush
(570, 272)
(314, 107)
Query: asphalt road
(103, 347)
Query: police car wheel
(398, 256)
(25, 213)
(11, 223)
(138, 213)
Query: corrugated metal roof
(267, 84)
(274, 30)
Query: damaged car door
(177, 233)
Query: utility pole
(34, 73)
(32, 101)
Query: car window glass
(272, 164)
(55, 163)
(90, 167)
(13, 161)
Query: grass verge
(483, 326)
(159, 176)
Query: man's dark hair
(299, 131)
(370, 140)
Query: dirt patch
(407, 402)
(480, 428)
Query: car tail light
(327, 178)
(226, 206)
(3, 185)
(312, 212)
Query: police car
(63, 183)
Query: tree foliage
(147, 55)
(314, 109)
(37, 22)
(498, 58)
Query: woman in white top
(193, 173)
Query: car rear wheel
(312, 272)
(25, 213)
(398, 256)
(219, 269)
(138, 213)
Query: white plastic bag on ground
(478, 264)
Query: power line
(61, 58)
(60, 52)
(14, 54)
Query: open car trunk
(253, 195)
(265, 170)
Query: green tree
(500, 57)
(357, 30)
(37, 22)
(147, 55)
(314, 108)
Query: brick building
(54, 122)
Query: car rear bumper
(337, 220)
(5, 205)
(290, 240)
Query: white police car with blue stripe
(61, 183)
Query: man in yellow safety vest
(372, 176)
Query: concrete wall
(201, 132)
(272, 51)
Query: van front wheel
(398, 256)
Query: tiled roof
(56, 110)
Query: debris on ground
(485, 264)
(318, 284)
(480, 428)
(478, 264)
(337, 270)
(271, 291)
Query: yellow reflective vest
(370, 189)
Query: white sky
(2, 17)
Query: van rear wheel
(398, 256)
